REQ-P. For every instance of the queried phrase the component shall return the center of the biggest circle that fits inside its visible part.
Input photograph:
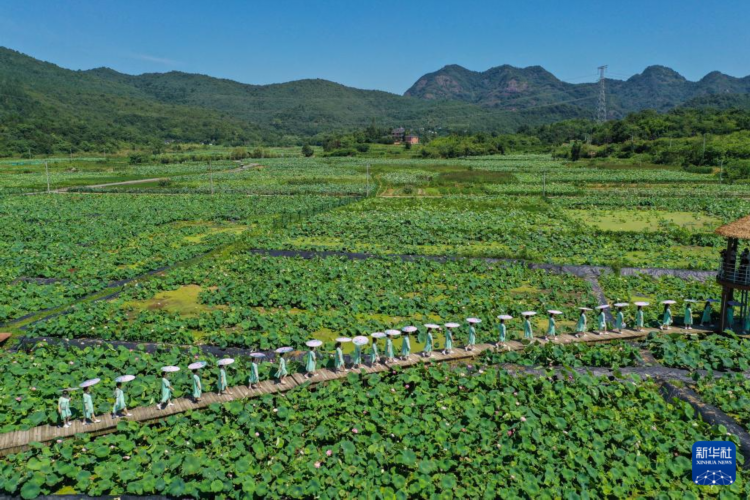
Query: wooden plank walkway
(15, 441)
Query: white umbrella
(379, 335)
(528, 313)
(585, 309)
(89, 383)
(452, 325)
(473, 320)
(553, 311)
(505, 316)
(392, 332)
(125, 378)
(641, 304)
(283, 350)
(432, 326)
(314, 343)
(409, 329)
(712, 301)
(225, 362)
(258, 354)
(360, 340)
(668, 302)
(621, 304)
(603, 306)
(692, 301)
(197, 365)
(170, 369)
(343, 339)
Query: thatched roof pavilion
(734, 271)
(739, 229)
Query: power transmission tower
(601, 106)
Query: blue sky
(381, 45)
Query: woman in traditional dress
(688, 316)
(551, 327)
(63, 408)
(374, 355)
(357, 356)
(472, 337)
(501, 331)
(405, 346)
(281, 371)
(527, 331)
(338, 359)
(197, 386)
(639, 320)
(602, 321)
(427, 351)
(166, 391)
(581, 325)
(254, 379)
(222, 380)
(120, 406)
(667, 318)
(707, 311)
(390, 356)
(310, 359)
(88, 407)
(448, 340)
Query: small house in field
(398, 135)
(411, 139)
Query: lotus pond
(457, 433)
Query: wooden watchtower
(734, 271)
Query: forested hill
(45, 108)
(508, 87)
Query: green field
(187, 258)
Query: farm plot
(57, 248)
(530, 436)
(271, 176)
(264, 302)
(504, 227)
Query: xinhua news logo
(714, 463)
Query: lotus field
(135, 263)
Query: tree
(307, 151)
(575, 151)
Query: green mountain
(508, 87)
(46, 108)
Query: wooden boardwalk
(15, 441)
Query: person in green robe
(166, 392)
(390, 355)
(619, 320)
(448, 341)
(357, 356)
(639, 321)
(197, 387)
(581, 325)
(602, 322)
(501, 332)
(338, 359)
(688, 322)
(254, 379)
(88, 407)
(310, 359)
(707, 311)
(551, 327)
(120, 406)
(405, 346)
(222, 380)
(63, 408)
(374, 355)
(472, 337)
(527, 331)
(666, 317)
(730, 317)
(281, 371)
(746, 323)
(427, 351)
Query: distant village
(400, 136)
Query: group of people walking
(373, 356)
(120, 409)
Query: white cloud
(154, 59)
